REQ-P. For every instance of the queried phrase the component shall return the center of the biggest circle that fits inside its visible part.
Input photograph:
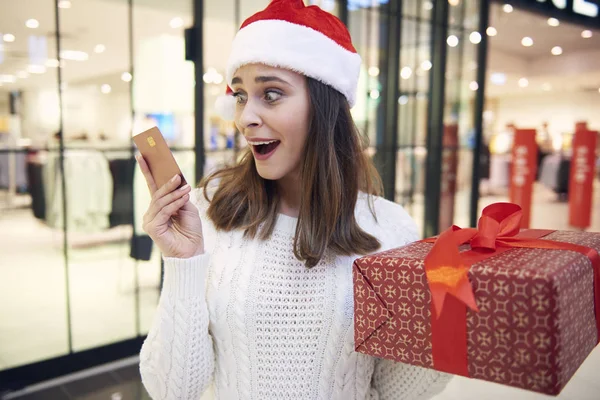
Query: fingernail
(184, 187)
(173, 179)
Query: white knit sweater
(250, 319)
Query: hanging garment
(89, 191)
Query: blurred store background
(446, 86)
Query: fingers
(159, 203)
(163, 215)
(146, 172)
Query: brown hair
(334, 169)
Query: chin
(269, 173)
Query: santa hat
(290, 35)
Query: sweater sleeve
(177, 358)
(397, 381)
(393, 380)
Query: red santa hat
(308, 40)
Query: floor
(119, 384)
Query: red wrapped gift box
(502, 310)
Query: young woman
(257, 297)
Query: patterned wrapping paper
(535, 325)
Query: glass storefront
(77, 81)
(79, 78)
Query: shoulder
(391, 224)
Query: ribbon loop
(497, 220)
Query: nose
(250, 115)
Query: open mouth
(263, 148)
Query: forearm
(398, 381)
(177, 358)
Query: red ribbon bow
(498, 229)
(447, 271)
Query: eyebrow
(260, 79)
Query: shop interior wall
(559, 110)
(90, 112)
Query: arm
(397, 381)
(393, 380)
(177, 358)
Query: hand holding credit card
(172, 221)
(158, 156)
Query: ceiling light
(99, 48)
(64, 4)
(8, 37)
(426, 65)
(523, 82)
(374, 71)
(498, 78)
(553, 22)
(22, 74)
(402, 100)
(106, 89)
(36, 69)
(74, 55)
(428, 5)
(454, 2)
(586, 34)
(405, 72)
(126, 77)
(556, 51)
(546, 87)
(491, 31)
(176, 23)
(475, 37)
(473, 86)
(8, 78)
(507, 8)
(212, 76)
(52, 63)
(374, 94)
(32, 23)
(527, 41)
(452, 41)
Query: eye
(272, 96)
(240, 97)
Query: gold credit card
(158, 156)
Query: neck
(288, 189)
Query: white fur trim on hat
(298, 48)
(225, 107)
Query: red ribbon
(447, 273)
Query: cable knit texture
(250, 319)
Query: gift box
(520, 308)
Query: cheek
(297, 140)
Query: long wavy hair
(334, 169)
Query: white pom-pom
(225, 107)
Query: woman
(257, 294)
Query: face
(272, 113)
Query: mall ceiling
(88, 23)
(514, 26)
(576, 66)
